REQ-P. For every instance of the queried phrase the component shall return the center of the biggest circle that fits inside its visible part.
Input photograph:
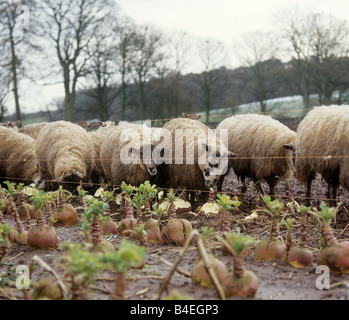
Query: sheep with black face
(126, 155)
(194, 158)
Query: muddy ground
(277, 280)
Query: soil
(277, 279)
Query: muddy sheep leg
(272, 183)
(220, 183)
(308, 191)
(257, 185)
(333, 184)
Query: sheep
(11, 124)
(322, 147)
(65, 155)
(17, 156)
(33, 129)
(263, 146)
(199, 170)
(97, 137)
(125, 155)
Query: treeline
(112, 68)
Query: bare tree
(14, 42)
(103, 69)
(124, 32)
(71, 26)
(258, 52)
(212, 57)
(147, 44)
(328, 42)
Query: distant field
(279, 108)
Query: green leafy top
(274, 208)
(125, 257)
(226, 203)
(95, 207)
(149, 191)
(138, 200)
(170, 197)
(158, 211)
(40, 198)
(128, 189)
(11, 188)
(78, 260)
(288, 223)
(207, 232)
(239, 242)
(326, 214)
(81, 192)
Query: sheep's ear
(289, 146)
(204, 146)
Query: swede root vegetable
(66, 214)
(300, 256)
(332, 253)
(211, 207)
(42, 236)
(24, 209)
(240, 282)
(138, 203)
(176, 230)
(21, 238)
(80, 265)
(151, 225)
(226, 204)
(288, 223)
(126, 256)
(199, 274)
(108, 225)
(93, 216)
(47, 288)
(126, 226)
(271, 248)
(4, 240)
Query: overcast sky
(224, 20)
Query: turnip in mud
(4, 240)
(21, 237)
(91, 224)
(108, 226)
(199, 274)
(66, 214)
(176, 230)
(300, 256)
(151, 225)
(79, 265)
(332, 253)
(211, 207)
(42, 235)
(271, 248)
(240, 282)
(126, 225)
(126, 256)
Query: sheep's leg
(257, 185)
(220, 183)
(272, 183)
(308, 191)
(244, 185)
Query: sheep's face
(217, 164)
(144, 154)
(292, 156)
